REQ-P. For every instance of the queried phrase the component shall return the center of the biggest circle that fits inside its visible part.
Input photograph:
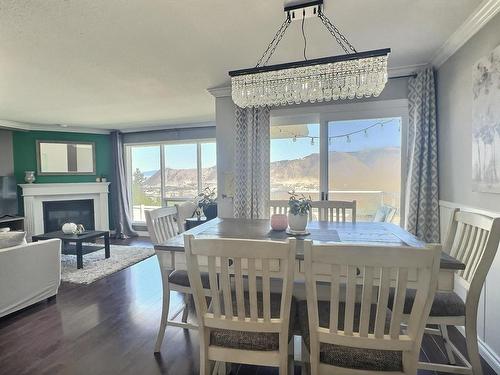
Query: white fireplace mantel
(35, 194)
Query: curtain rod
(404, 76)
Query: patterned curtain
(251, 198)
(422, 190)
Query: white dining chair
(384, 214)
(243, 326)
(162, 225)
(473, 239)
(278, 206)
(335, 211)
(353, 331)
(185, 210)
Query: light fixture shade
(339, 77)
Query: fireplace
(78, 211)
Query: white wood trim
(220, 92)
(35, 194)
(452, 205)
(480, 17)
(17, 125)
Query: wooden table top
(384, 234)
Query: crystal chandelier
(349, 76)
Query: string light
(347, 136)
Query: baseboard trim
(486, 352)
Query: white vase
(29, 176)
(297, 223)
(69, 228)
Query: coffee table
(78, 249)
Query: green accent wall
(24, 146)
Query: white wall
(224, 118)
(454, 105)
(6, 153)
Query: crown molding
(220, 91)
(25, 126)
(480, 17)
(188, 125)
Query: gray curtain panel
(422, 190)
(119, 191)
(252, 163)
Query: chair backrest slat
(161, 224)
(375, 272)
(212, 275)
(366, 301)
(383, 298)
(350, 300)
(398, 304)
(334, 298)
(252, 289)
(226, 288)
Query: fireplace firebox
(56, 213)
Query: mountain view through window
(363, 161)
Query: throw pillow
(10, 239)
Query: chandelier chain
(274, 43)
(339, 37)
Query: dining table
(171, 252)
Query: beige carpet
(96, 266)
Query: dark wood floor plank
(110, 327)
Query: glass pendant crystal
(349, 79)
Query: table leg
(79, 255)
(106, 245)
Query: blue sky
(377, 137)
(147, 158)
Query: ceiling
(118, 64)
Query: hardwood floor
(110, 326)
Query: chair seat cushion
(345, 356)
(444, 304)
(180, 277)
(252, 340)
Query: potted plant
(207, 201)
(299, 207)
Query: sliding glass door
(352, 154)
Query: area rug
(96, 266)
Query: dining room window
(340, 159)
(167, 173)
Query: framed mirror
(65, 157)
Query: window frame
(323, 114)
(164, 200)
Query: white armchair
(29, 274)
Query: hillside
(377, 169)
